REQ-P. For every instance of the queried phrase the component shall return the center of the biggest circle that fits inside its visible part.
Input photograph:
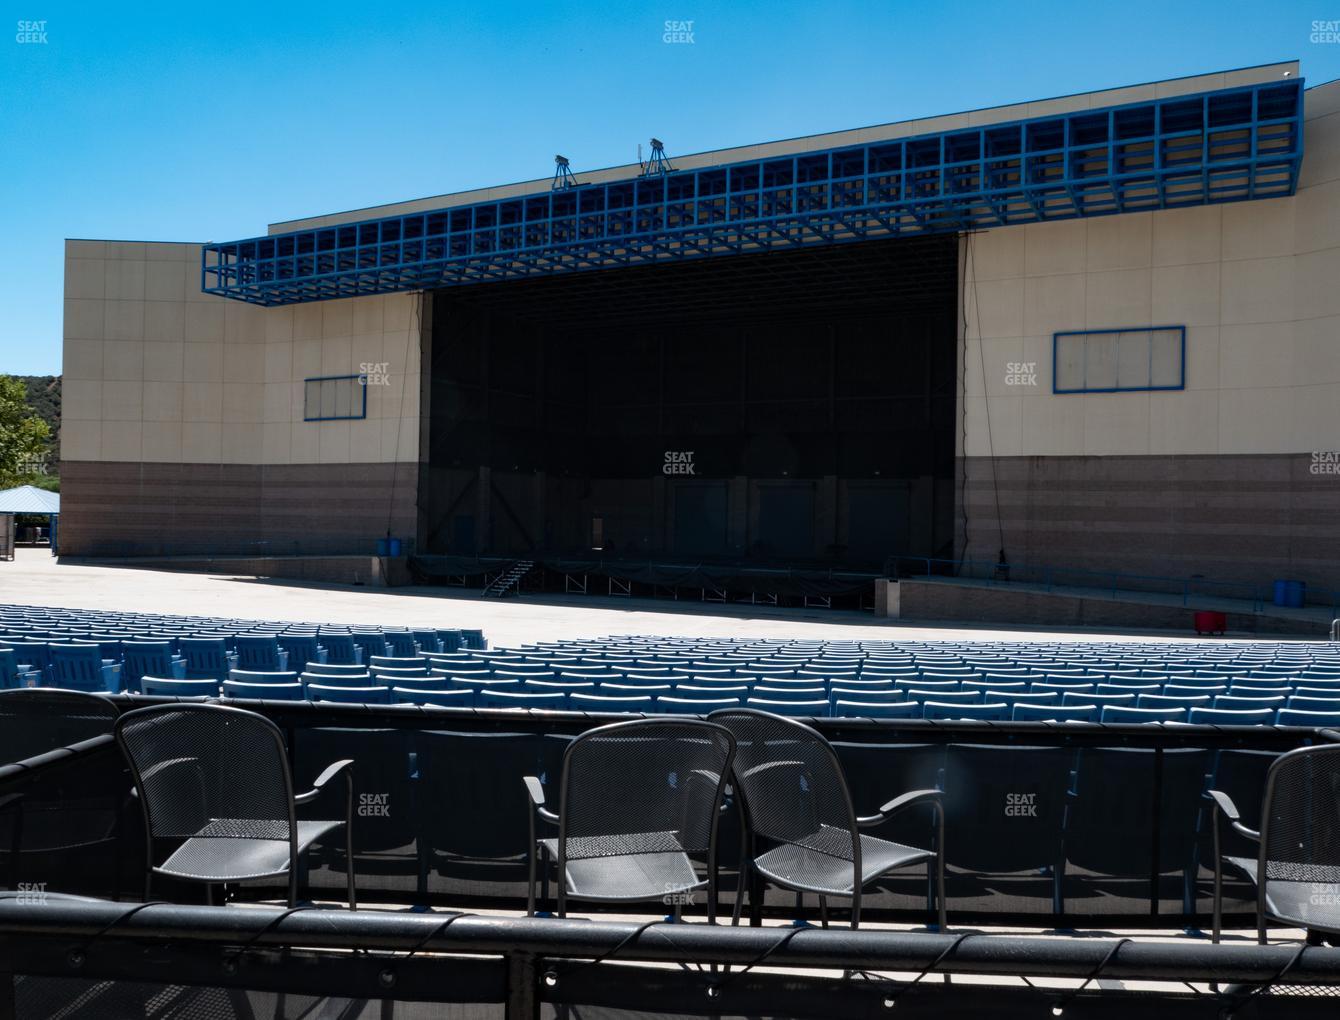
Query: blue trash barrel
(381, 551)
(395, 547)
(1290, 594)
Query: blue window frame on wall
(1132, 359)
(335, 398)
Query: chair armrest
(1223, 804)
(332, 770)
(9, 799)
(900, 803)
(536, 791)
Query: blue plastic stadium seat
(328, 680)
(491, 697)
(149, 658)
(260, 653)
(378, 694)
(402, 644)
(340, 649)
(856, 709)
(696, 705)
(811, 708)
(994, 710)
(332, 669)
(255, 676)
(1299, 717)
(949, 697)
(1170, 701)
(473, 639)
(272, 692)
(174, 687)
(17, 674)
(439, 699)
(1232, 716)
(206, 658)
(1029, 712)
(304, 651)
(775, 692)
(1127, 714)
(81, 667)
(583, 702)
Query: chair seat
(1307, 895)
(658, 868)
(809, 869)
(213, 858)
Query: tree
(23, 435)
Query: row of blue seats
(445, 692)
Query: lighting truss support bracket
(562, 175)
(656, 163)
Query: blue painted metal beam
(1223, 146)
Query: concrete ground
(36, 578)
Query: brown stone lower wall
(136, 509)
(937, 601)
(1232, 517)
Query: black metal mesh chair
(34, 720)
(795, 799)
(638, 801)
(217, 780)
(1296, 871)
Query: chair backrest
(272, 692)
(34, 720)
(792, 784)
(302, 649)
(694, 705)
(77, 666)
(1300, 822)
(173, 688)
(206, 657)
(428, 696)
(258, 652)
(340, 649)
(1231, 716)
(852, 707)
(401, 643)
(1028, 712)
(654, 785)
(209, 769)
(1300, 717)
(376, 695)
(336, 669)
(144, 658)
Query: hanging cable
(416, 330)
(986, 402)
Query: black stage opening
(781, 410)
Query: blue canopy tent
(26, 499)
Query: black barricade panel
(1005, 814)
(876, 773)
(1242, 775)
(387, 812)
(73, 829)
(475, 820)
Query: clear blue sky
(206, 121)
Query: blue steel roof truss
(1223, 146)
